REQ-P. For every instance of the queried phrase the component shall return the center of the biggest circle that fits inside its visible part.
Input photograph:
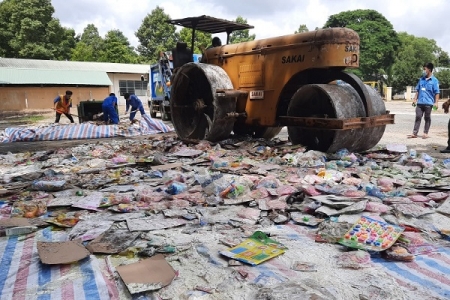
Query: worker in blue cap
(109, 106)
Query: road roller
(255, 88)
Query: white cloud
(270, 18)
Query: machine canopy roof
(210, 24)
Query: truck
(257, 87)
(160, 75)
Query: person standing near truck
(109, 109)
(62, 105)
(426, 98)
(135, 103)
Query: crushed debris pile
(240, 219)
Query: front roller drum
(199, 110)
(332, 101)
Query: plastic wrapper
(377, 207)
(115, 199)
(269, 182)
(398, 253)
(68, 219)
(354, 260)
(310, 190)
(385, 184)
(259, 193)
(120, 159)
(29, 209)
(439, 196)
(171, 176)
(208, 181)
(125, 207)
(352, 181)
(249, 213)
(148, 195)
(286, 190)
(48, 185)
(418, 198)
(354, 193)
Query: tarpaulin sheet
(23, 276)
(428, 272)
(146, 126)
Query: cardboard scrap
(147, 275)
(15, 222)
(356, 207)
(54, 253)
(256, 249)
(167, 166)
(150, 223)
(112, 241)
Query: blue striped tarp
(147, 126)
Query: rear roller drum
(197, 112)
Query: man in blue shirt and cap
(109, 109)
(426, 98)
(135, 103)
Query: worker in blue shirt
(135, 103)
(426, 98)
(109, 109)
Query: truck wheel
(152, 112)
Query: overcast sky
(270, 17)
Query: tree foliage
(240, 36)
(413, 53)
(378, 39)
(117, 48)
(302, 28)
(156, 35)
(444, 78)
(202, 39)
(90, 46)
(28, 30)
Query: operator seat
(181, 55)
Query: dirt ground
(394, 134)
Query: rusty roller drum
(333, 101)
(198, 112)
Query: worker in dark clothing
(109, 109)
(62, 105)
(216, 42)
(135, 103)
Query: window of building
(139, 88)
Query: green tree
(411, 56)
(156, 35)
(90, 46)
(240, 36)
(202, 39)
(28, 30)
(378, 39)
(117, 48)
(302, 28)
(444, 78)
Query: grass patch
(29, 119)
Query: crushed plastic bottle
(413, 153)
